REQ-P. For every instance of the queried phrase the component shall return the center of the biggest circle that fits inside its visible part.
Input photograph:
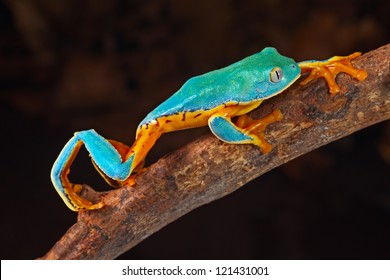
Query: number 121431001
(224, 270)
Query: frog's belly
(185, 120)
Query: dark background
(72, 65)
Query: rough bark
(208, 169)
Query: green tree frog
(211, 99)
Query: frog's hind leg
(146, 137)
(114, 161)
(245, 131)
(123, 150)
(104, 155)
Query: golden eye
(276, 75)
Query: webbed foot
(330, 68)
(257, 127)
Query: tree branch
(208, 169)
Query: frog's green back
(245, 81)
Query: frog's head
(274, 73)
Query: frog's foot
(330, 68)
(245, 131)
(81, 202)
(77, 188)
(258, 127)
(72, 191)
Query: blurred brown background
(72, 65)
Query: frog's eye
(276, 75)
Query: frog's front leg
(105, 155)
(330, 68)
(245, 131)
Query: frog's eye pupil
(276, 75)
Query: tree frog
(211, 99)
